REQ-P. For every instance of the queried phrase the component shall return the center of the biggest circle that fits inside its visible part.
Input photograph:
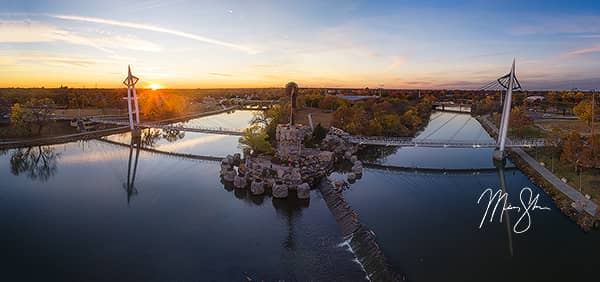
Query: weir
(359, 237)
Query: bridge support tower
(132, 101)
(510, 82)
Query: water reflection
(130, 184)
(500, 167)
(377, 154)
(37, 163)
(289, 209)
(151, 136)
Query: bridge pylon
(130, 81)
(511, 83)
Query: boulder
(296, 177)
(280, 190)
(357, 168)
(224, 166)
(303, 191)
(229, 175)
(239, 181)
(237, 159)
(257, 187)
(348, 155)
(325, 156)
(351, 176)
(242, 169)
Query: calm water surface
(428, 223)
(68, 213)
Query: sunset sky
(206, 44)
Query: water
(199, 143)
(427, 224)
(71, 217)
(68, 213)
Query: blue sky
(204, 44)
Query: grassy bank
(584, 220)
(590, 178)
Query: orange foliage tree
(519, 121)
(157, 105)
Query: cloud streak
(220, 74)
(30, 32)
(585, 51)
(158, 29)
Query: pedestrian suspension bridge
(508, 82)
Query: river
(71, 212)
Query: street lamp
(579, 170)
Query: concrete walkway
(589, 206)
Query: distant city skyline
(342, 44)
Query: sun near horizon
(155, 86)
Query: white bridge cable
(481, 131)
(461, 128)
(440, 127)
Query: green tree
(316, 137)
(256, 139)
(270, 118)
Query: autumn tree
(35, 112)
(156, 105)
(312, 100)
(350, 119)
(331, 103)
(572, 147)
(519, 121)
(583, 110)
(18, 118)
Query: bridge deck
(434, 143)
(163, 124)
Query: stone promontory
(293, 167)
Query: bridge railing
(383, 140)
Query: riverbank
(59, 139)
(572, 203)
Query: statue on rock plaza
(294, 168)
(291, 90)
(291, 136)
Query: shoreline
(61, 139)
